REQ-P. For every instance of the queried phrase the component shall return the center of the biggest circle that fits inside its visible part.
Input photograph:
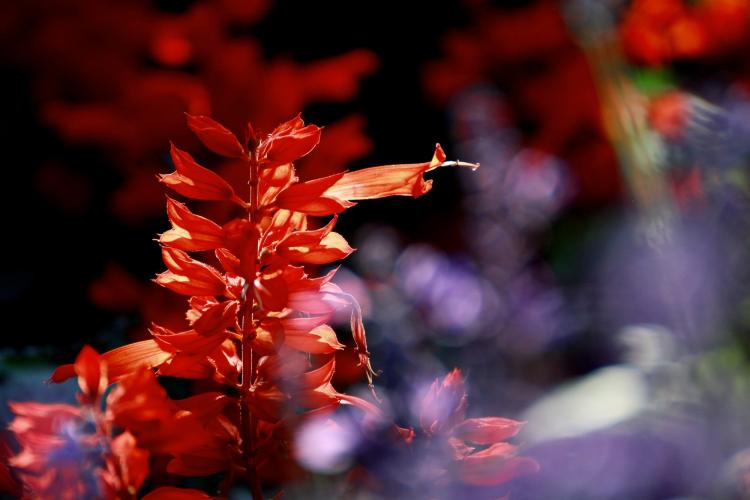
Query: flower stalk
(257, 325)
(247, 421)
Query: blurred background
(590, 278)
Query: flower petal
(291, 141)
(188, 276)
(132, 462)
(494, 466)
(319, 246)
(197, 182)
(320, 340)
(487, 430)
(190, 232)
(121, 361)
(215, 136)
(387, 180)
(92, 373)
(308, 197)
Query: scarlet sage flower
(70, 451)
(480, 454)
(258, 324)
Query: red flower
(253, 322)
(215, 136)
(289, 142)
(480, 454)
(444, 406)
(70, 452)
(190, 232)
(127, 467)
(195, 181)
(188, 276)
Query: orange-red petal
(195, 181)
(188, 276)
(121, 361)
(387, 180)
(190, 232)
(215, 136)
(319, 340)
(92, 373)
(320, 246)
(290, 141)
(310, 198)
(487, 430)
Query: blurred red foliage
(529, 54)
(657, 32)
(116, 79)
(117, 76)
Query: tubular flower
(480, 456)
(257, 321)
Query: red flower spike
(190, 232)
(254, 328)
(92, 374)
(215, 136)
(289, 142)
(195, 181)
